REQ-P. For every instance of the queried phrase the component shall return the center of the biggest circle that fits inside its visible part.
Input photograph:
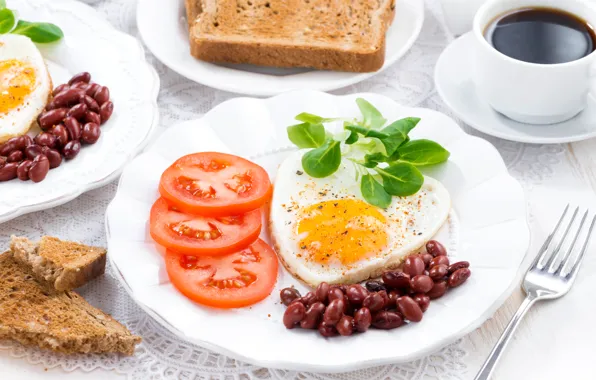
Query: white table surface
(555, 340)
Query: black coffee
(541, 35)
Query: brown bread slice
(38, 315)
(65, 265)
(343, 35)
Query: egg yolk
(346, 230)
(17, 81)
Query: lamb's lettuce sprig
(385, 158)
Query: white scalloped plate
(164, 30)
(487, 227)
(114, 59)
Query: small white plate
(164, 30)
(454, 80)
(114, 59)
(487, 226)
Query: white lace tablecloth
(548, 345)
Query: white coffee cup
(529, 92)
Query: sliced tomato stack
(209, 219)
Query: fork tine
(544, 247)
(555, 267)
(561, 241)
(542, 253)
(573, 272)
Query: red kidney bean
(60, 88)
(92, 117)
(356, 294)
(413, 265)
(2, 161)
(102, 95)
(458, 277)
(61, 133)
(375, 286)
(426, 257)
(309, 298)
(51, 118)
(435, 248)
(409, 308)
(8, 171)
(90, 102)
(105, 111)
(396, 279)
(71, 149)
(78, 111)
(294, 314)
(23, 170)
(374, 302)
(393, 296)
(46, 139)
(334, 311)
(322, 288)
(459, 265)
(15, 156)
(287, 295)
(385, 297)
(91, 89)
(7, 148)
(421, 284)
(345, 326)
(439, 260)
(24, 142)
(327, 330)
(438, 290)
(68, 97)
(313, 316)
(39, 168)
(422, 300)
(53, 156)
(16, 143)
(32, 151)
(80, 77)
(438, 272)
(387, 320)
(73, 127)
(81, 86)
(335, 293)
(362, 319)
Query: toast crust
(271, 42)
(324, 58)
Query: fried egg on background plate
(323, 230)
(25, 85)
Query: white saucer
(453, 78)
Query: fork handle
(494, 356)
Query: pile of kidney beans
(73, 117)
(402, 295)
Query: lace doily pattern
(162, 355)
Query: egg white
(17, 121)
(411, 221)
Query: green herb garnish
(385, 159)
(39, 32)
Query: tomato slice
(201, 235)
(211, 183)
(235, 280)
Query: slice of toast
(342, 35)
(63, 264)
(35, 314)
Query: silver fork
(550, 276)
